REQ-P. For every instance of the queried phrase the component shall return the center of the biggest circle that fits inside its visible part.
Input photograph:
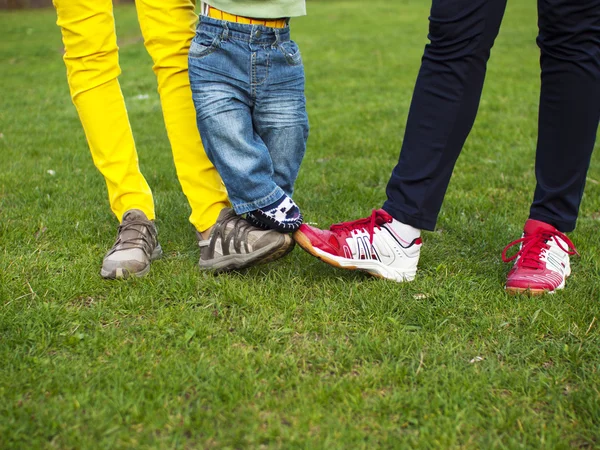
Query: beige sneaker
(136, 247)
(235, 244)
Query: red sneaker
(542, 262)
(374, 244)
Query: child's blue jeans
(248, 89)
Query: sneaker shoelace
(134, 242)
(368, 224)
(238, 233)
(532, 246)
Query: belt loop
(277, 41)
(225, 34)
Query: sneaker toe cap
(534, 280)
(322, 239)
(123, 269)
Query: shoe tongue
(225, 213)
(535, 226)
(531, 259)
(134, 214)
(130, 235)
(383, 216)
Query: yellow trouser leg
(168, 28)
(91, 57)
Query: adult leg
(168, 29)
(569, 40)
(444, 106)
(91, 57)
(442, 112)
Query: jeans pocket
(203, 44)
(291, 52)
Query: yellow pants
(92, 60)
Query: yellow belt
(222, 15)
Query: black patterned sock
(282, 215)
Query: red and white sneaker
(542, 262)
(379, 245)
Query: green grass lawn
(295, 354)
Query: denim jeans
(248, 89)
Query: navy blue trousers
(447, 94)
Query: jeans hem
(242, 208)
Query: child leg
(219, 61)
(281, 121)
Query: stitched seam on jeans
(253, 75)
(263, 81)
